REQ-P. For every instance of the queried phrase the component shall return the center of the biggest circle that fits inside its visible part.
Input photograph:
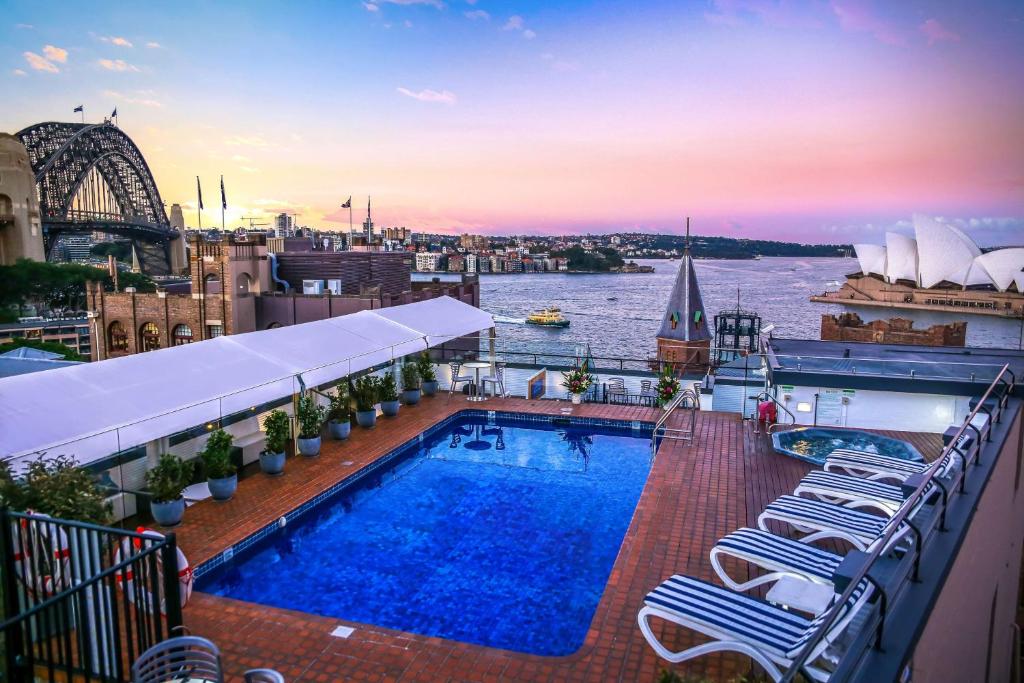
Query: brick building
(849, 327)
(238, 286)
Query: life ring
(42, 556)
(125, 578)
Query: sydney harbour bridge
(92, 177)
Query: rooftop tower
(684, 340)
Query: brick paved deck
(696, 493)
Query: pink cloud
(858, 16)
(938, 33)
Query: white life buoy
(125, 578)
(42, 556)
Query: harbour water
(619, 314)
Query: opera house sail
(939, 269)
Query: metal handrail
(764, 395)
(669, 409)
(909, 504)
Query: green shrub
(278, 429)
(57, 487)
(426, 368)
(338, 410)
(365, 393)
(387, 388)
(410, 377)
(216, 455)
(169, 478)
(311, 416)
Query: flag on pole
(113, 114)
(223, 197)
(199, 191)
(347, 204)
(79, 108)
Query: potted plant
(278, 429)
(388, 395)
(365, 395)
(410, 384)
(339, 415)
(667, 387)
(427, 375)
(165, 482)
(311, 418)
(577, 381)
(220, 471)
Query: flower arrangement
(668, 386)
(578, 380)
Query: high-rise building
(368, 224)
(283, 225)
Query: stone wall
(848, 327)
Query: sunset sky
(817, 121)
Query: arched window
(181, 334)
(149, 337)
(117, 338)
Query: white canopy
(93, 410)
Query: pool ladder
(686, 399)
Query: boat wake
(509, 321)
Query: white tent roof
(92, 410)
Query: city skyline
(816, 122)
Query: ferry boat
(549, 317)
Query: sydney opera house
(940, 269)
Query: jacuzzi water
(499, 534)
(815, 443)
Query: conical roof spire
(684, 317)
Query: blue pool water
(499, 534)
(815, 443)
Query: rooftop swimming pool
(497, 531)
(815, 443)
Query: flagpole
(223, 201)
(199, 206)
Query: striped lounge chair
(781, 556)
(851, 492)
(770, 635)
(821, 520)
(873, 466)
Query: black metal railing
(920, 489)
(81, 601)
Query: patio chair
(851, 492)
(875, 467)
(770, 635)
(782, 556)
(614, 387)
(820, 520)
(458, 379)
(192, 659)
(497, 380)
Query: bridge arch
(66, 159)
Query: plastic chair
(497, 379)
(457, 378)
(190, 658)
